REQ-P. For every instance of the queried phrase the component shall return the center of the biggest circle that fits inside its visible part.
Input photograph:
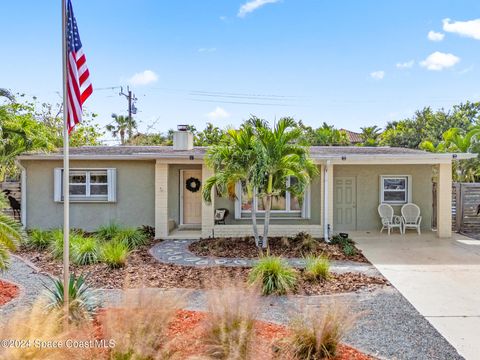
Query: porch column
(444, 201)
(161, 200)
(207, 209)
(327, 198)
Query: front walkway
(176, 252)
(439, 277)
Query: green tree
(279, 157)
(7, 94)
(122, 127)
(370, 135)
(233, 161)
(209, 136)
(325, 135)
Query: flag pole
(66, 169)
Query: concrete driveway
(439, 277)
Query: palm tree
(232, 160)
(278, 158)
(370, 135)
(7, 94)
(124, 125)
(10, 235)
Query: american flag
(79, 87)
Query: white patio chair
(411, 217)
(389, 220)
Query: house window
(87, 185)
(395, 190)
(288, 204)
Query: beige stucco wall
(368, 190)
(135, 204)
(285, 219)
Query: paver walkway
(440, 278)
(176, 252)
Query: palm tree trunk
(268, 207)
(255, 227)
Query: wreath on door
(192, 184)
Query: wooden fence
(14, 191)
(465, 205)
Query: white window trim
(111, 186)
(408, 189)
(304, 212)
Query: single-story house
(158, 186)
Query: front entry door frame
(181, 190)
(352, 225)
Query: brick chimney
(182, 138)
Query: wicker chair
(389, 220)
(411, 217)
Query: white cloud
(223, 18)
(470, 28)
(435, 36)
(207, 50)
(377, 75)
(143, 78)
(438, 61)
(253, 5)
(405, 65)
(218, 113)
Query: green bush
(85, 250)
(274, 275)
(56, 244)
(108, 232)
(38, 239)
(317, 267)
(114, 254)
(82, 300)
(131, 237)
(349, 250)
(341, 241)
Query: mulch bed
(142, 270)
(8, 291)
(285, 247)
(186, 331)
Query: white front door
(345, 203)
(192, 198)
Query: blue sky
(348, 63)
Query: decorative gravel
(30, 282)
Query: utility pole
(131, 104)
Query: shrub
(38, 239)
(349, 250)
(56, 244)
(108, 232)
(274, 275)
(85, 251)
(316, 335)
(229, 326)
(139, 325)
(131, 237)
(114, 254)
(148, 230)
(306, 242)
(82, 300)
(317, 267)
(11, 235)
(339, 240)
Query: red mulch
(8, 291)
(187, 328)
(186, 332)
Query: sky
(348, 63)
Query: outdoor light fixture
(192, 157)
(454, 156)
(344, 157)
